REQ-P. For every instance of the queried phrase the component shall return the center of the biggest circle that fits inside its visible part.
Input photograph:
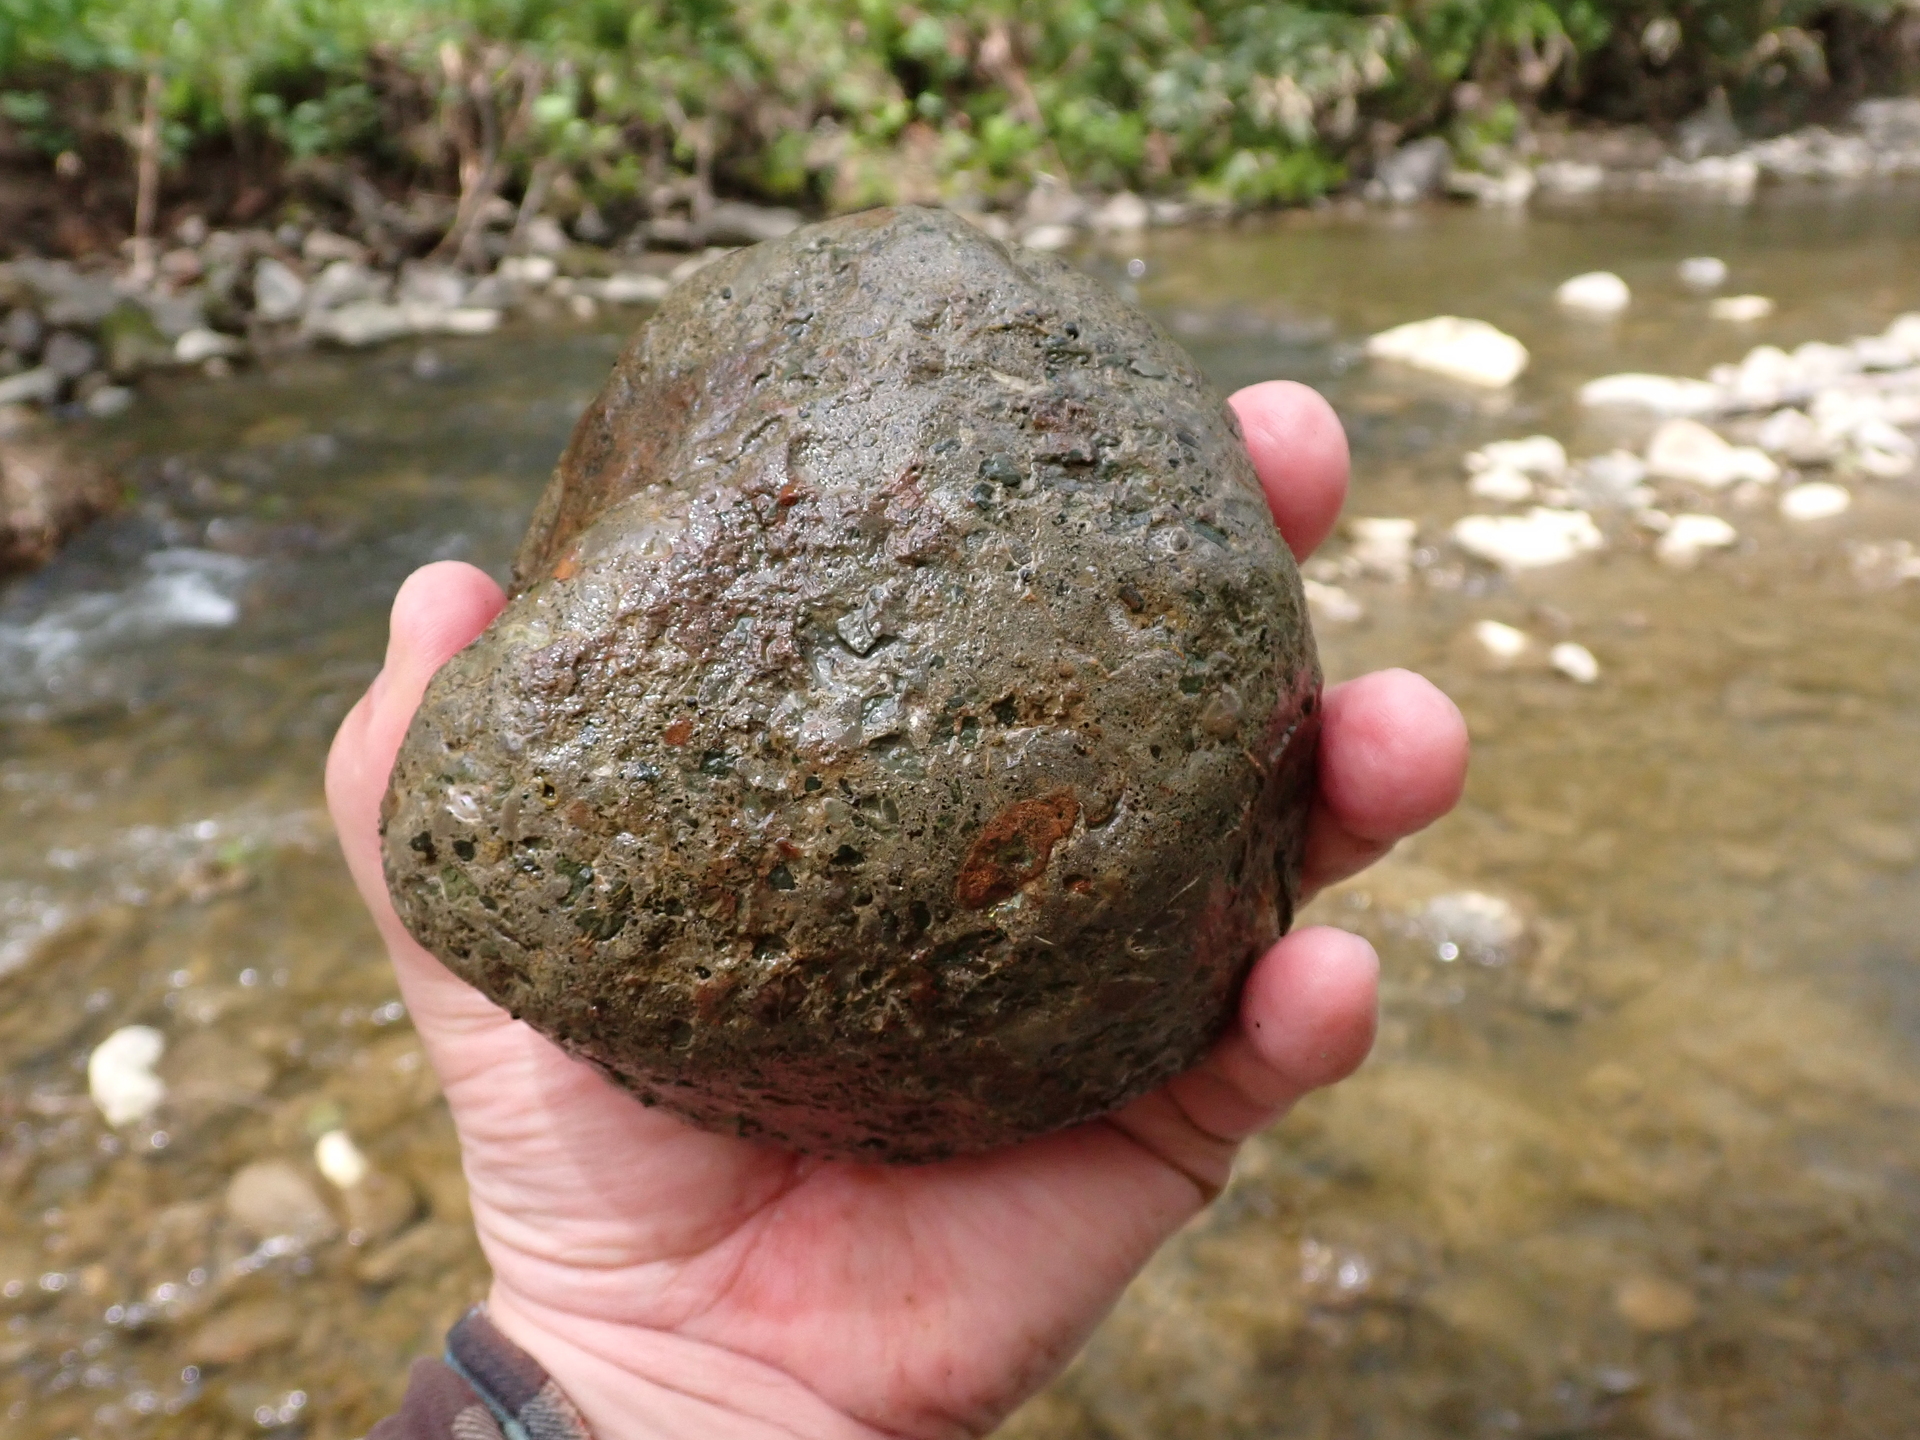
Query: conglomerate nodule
(899, 739)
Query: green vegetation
(628, 104)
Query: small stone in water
(1508, 487)
(1540, 456)
(1816, 500)
(278, 292)
(1687, 451)
(120, 1074)
(1655, 1306)
(109, 401)
(242, 1332)
(378, 1207)
(201, 344)
(1383, 545)
(69, 355)
(1662, 394)
(1485, 928)
(1741, 309)
(1332, 604)
(1703, 272)
(339, 1159)
(1574, 661)
(271, 1197)
(1524, 542)
(1467, 350)
(1688, 535)
(1503, 642)
(1599, 292)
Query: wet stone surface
(900, 739)
(1650, 1044)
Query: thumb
(439, 611)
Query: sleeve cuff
(484, 1387)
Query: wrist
(631, 1383)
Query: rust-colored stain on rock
(1014, 848)
(899, 738)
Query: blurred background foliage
(640, 105)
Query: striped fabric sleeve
(484, 1387)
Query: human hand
(681, 1283)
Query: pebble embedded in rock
(120, 1075)
(899, 739)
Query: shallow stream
(1633, 1156)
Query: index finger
(1299, 451)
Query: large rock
(46, 494)
(899, 738)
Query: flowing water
(1632, 1158)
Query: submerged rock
(1471, 351)
(1599, 292)
(47, 493)
(899, 739)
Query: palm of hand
(726, 1281)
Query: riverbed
(1633, 1154)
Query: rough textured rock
(899, 739)
(46, 494)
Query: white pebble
(1816, 500)
(1506, 486)
(1576, 662)
(1662, 394)
(1332, 605)
(1599, 292)
(1383, 545)
(339, 1159)
(1525, 542)
(1502, 642)
(1468, 350)
(1741, 309)
(1703, 272)
(120, 1074)
(1688, 535)
(1688, 451)
(1540, 456)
